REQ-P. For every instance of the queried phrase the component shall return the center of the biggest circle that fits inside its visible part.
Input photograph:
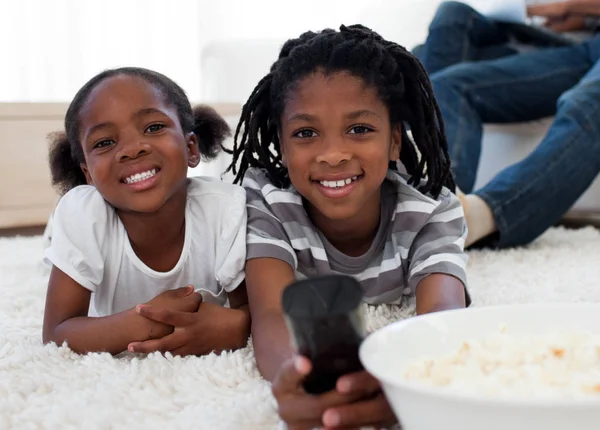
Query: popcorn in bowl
(558, 364)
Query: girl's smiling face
(336, 142)
(136, 153)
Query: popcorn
(552, 365)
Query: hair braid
(401, 82)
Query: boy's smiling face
(136, 153)
(336, 142)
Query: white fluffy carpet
(51, 387)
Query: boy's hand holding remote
(356, 401)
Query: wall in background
(52, 47)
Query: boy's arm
(439, 292)
(270, 267)
(266, 278)
(437, 269)
(65, 319)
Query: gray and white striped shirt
(417, 236)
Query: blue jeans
(478, 79)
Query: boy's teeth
(337, 184)
(140, 176)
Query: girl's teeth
(337, 184)
(140, 176)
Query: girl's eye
(154, 128)
(103, 144)
(305, 134)
(360, 129)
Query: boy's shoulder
(410, 199)
(256, 182)
(401, 183)
(258, 178)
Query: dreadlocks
(400, 80)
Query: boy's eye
(360, 129)
(153, 128)
(103, 144)
(305, 134)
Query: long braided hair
(400, 80)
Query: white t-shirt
(90, 244)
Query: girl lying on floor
(134, 238)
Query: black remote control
(326, 325)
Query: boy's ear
(193, 150)
(396, 143)
(86, 173)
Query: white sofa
(231, 68)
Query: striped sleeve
(266, 236)
(439, 246)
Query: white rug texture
(52, 387)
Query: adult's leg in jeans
(517, 88)
(457, 34)
(530, 196)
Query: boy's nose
(334, 152)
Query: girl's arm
(238, 318)
(266, 278)
(65, 319)
(439, 292)
(212, 328)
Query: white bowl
(386, 352)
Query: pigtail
(65, 170)
(211, 130)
